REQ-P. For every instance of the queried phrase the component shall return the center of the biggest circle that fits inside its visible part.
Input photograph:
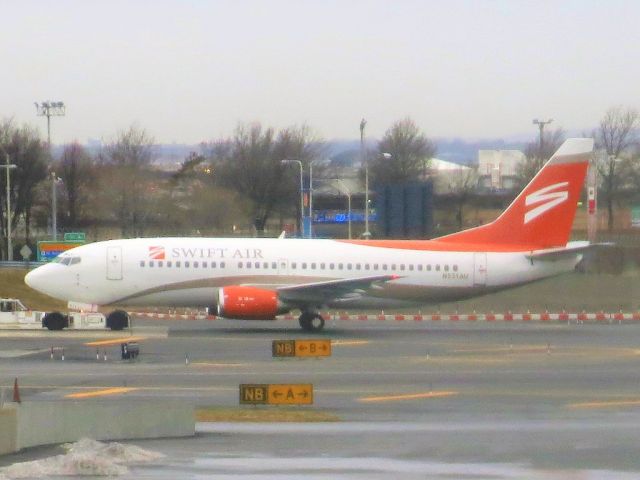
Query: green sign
(635, 216)
(74, 237)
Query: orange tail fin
(543, 213)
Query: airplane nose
(31, 278)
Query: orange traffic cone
(16, 391)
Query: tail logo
(549, 198)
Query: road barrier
(559, 317)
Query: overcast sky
(189, 71)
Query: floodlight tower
(541, 124)
(50, 109)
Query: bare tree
(616, 135)
(126, 168)
(77, 172)
(29, 153)
(537, 154)
(410, 151)
(462, 186)
(251, 164)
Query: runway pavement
(419, 400)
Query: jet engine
(249, 303)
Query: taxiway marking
(409, 396)
(100, 393)
(609, 404)
(346, 343)
(114, 341)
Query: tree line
(240, 182)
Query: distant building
(498, 169)
(446, 175)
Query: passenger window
(142, 263)
(151, 263)
(393, 266)
(411, 268)
(293, 265)
(274, 265)
(222, 264)
(178, 264)
(437, 268)
(340, 266)
(240, 264)
(357, 266)
(313, 266)
(204, 265)
(160, 263)
(213, 264)
(169, 264)
(331, 266)
(186, 264)
(257, 265)
(420, 267)
(248, 264)
(402, 267)
(195, 264)
(366, 266)
(304, 265)
(446, 268)
(322, 266)
(384, 266)
(348, 266)
(455, 268)
(265, 265)
(429, 268)
(375, 266)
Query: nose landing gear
(311, 321)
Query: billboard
(48, 250)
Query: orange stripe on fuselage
(436, 246)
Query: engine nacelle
(249, 303)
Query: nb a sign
(276, 394)
(301, 348)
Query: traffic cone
(16, 391)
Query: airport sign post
(301, 348)
(276, 394)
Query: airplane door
(283, 266)
(480, 269)
(114, 263)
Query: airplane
(260, 278)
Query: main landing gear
(311, 321)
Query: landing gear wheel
(311, 321)
(118, 320)
(55, 321)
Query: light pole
(346, 191)
(311, 199)
(301, 191)
(541, 124)
(365, 162)
(54, 206)
(9, 166)
(50, 109)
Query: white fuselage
(189, 271)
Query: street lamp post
(286, 161)
(9, 166)
(363, 160)
(54, 206)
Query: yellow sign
(301, 348)
(313, 348)
(283, 348)
(276, 394)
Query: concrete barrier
(8, 429)
(30, 424)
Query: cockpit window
(67, 260)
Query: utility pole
(50, 109)
(365, 162)
(54, 206)
(9, 166)
(541, 124)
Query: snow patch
(85, 457)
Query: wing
(323, 292)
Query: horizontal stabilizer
(572, 249)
